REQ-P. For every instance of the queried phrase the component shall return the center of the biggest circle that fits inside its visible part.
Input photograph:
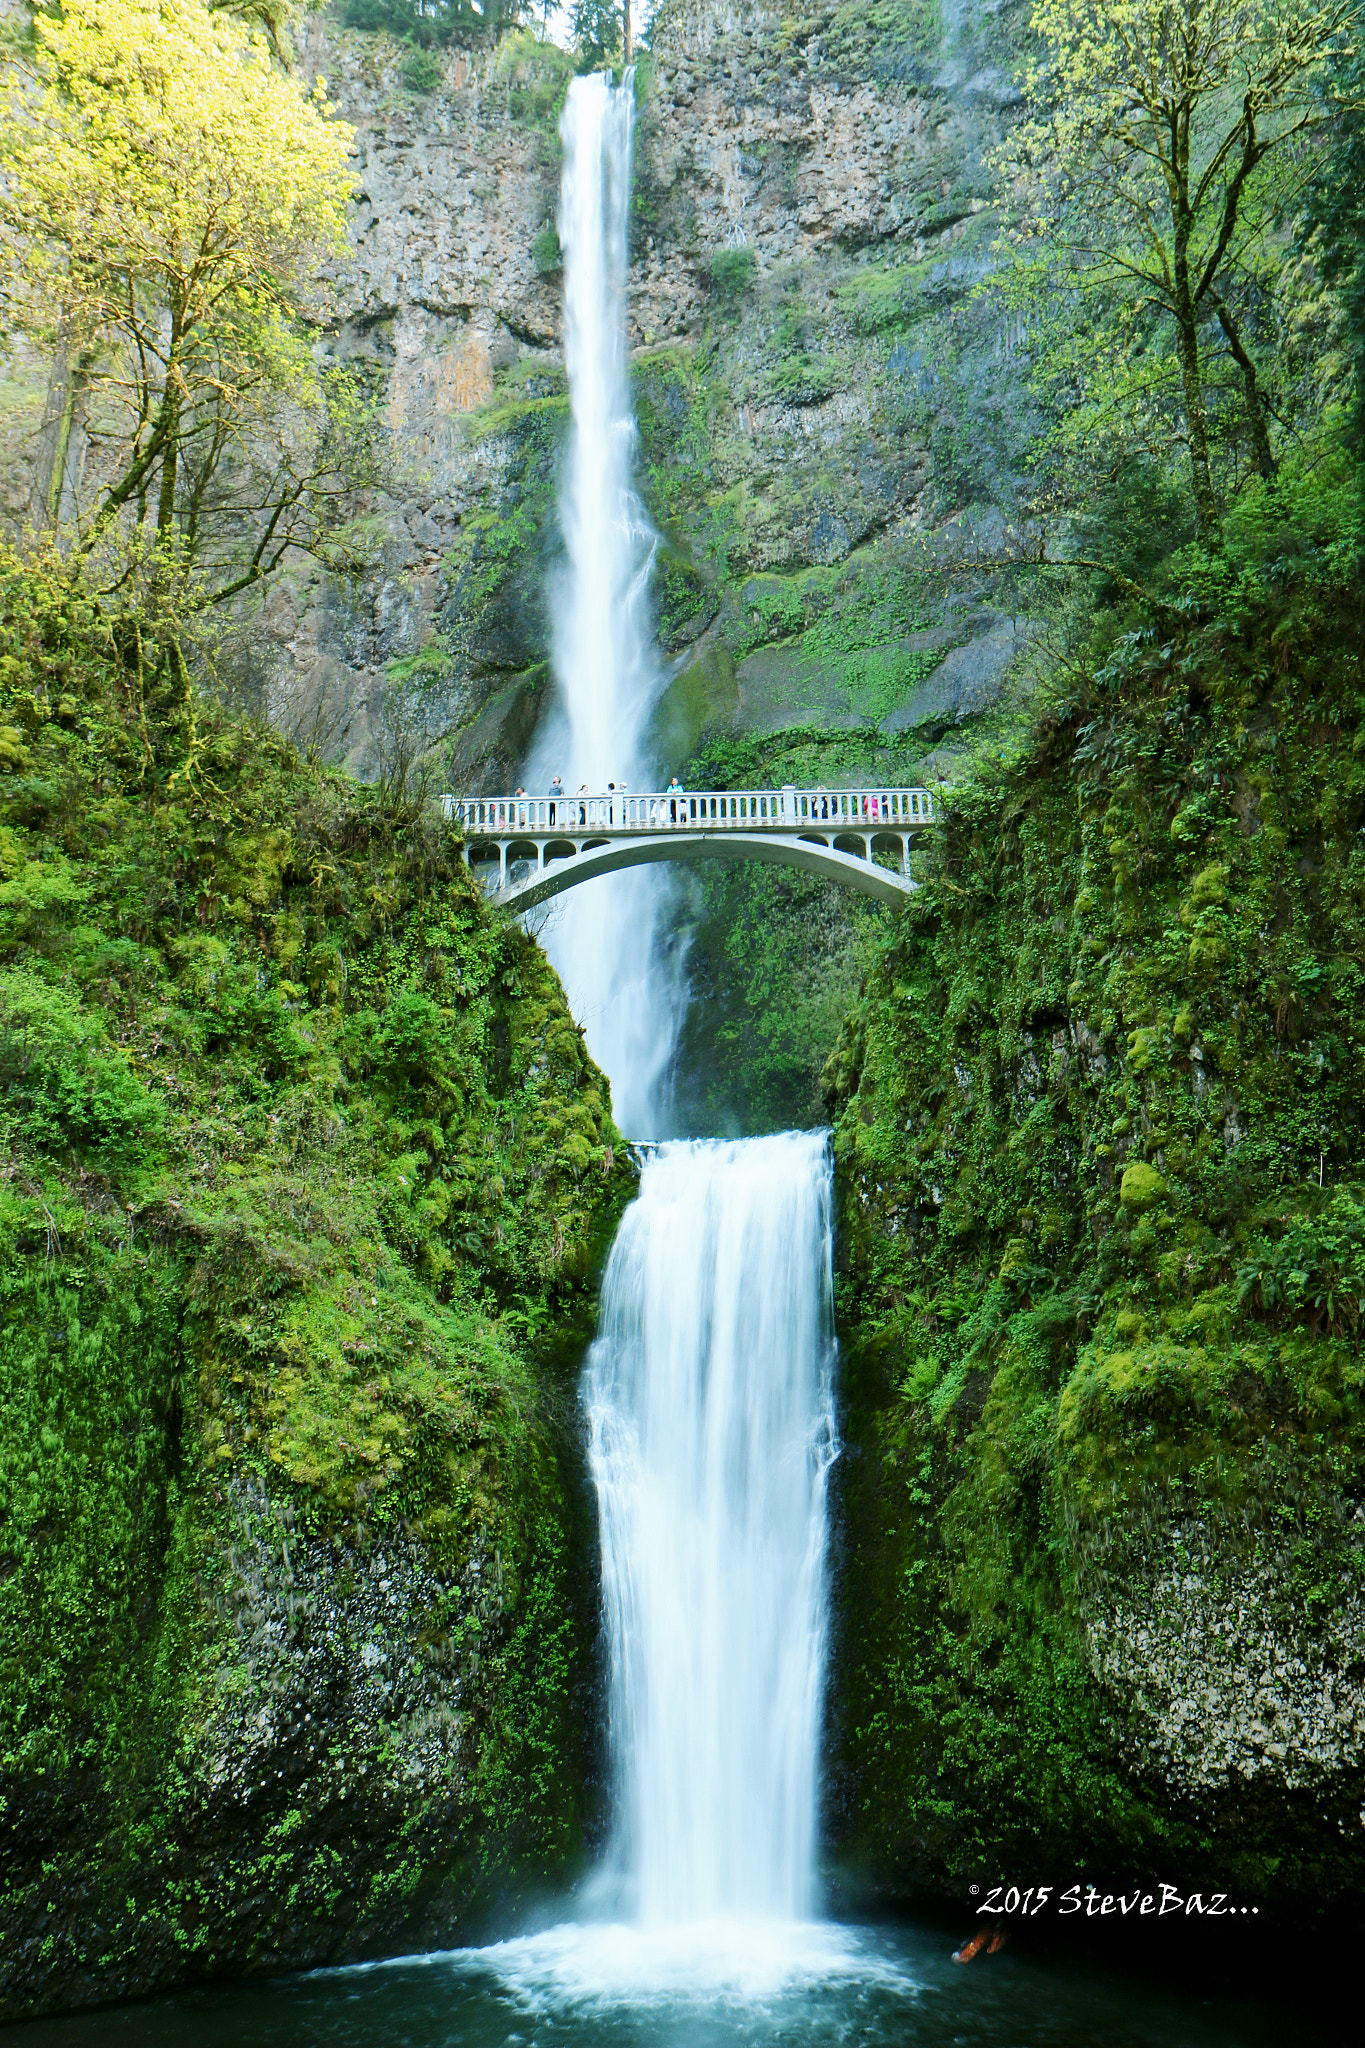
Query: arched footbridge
(532, 848)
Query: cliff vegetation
(1098, 1123)
(306, 1178)
(986, 448)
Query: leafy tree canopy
(1158, 158)
(431, 23)
(168, 194)
(1336, 206)
(597, 31)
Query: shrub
(420, 73)
(1314, 1273)
(60, 1078)
(732, 272)
(545, 251)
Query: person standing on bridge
(675, 790)
(583, 803)
(555, 792)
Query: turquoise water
(823, 1985)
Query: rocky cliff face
(822, 415)
(812, 210)
(1217, 1677)
(822, 411)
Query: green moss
(885, 39)
(774, 960)
(1141, 1187)
(1101, 1153)
(309, 1178)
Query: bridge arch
(605, 858)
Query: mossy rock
(1141, 1187)
(313, 1182)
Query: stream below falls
(737, 1986)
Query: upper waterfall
(604, 658)
(607, 677)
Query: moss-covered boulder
(1101, 1153)
(307, 1178)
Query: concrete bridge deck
(544, 845)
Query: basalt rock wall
(812, 208)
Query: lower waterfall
(709, 1394)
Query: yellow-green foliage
(168, 189)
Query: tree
(1336, 207)
(595, 26)
(431, 22)
(167, 192)
(1163, 143)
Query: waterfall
(710, 1406)
(709, 1390)
(603, 936)
(603, 655)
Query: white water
(710, 1407)
(709, 1390)
(604, 937)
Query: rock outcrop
(1218, 1676)
(812, 210)
(1102, 1229)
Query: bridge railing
(725, 810)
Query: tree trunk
(53, 434)
(625, 29)
(53, 496)
(1260, 432)
(1206, 521)
(165, 510)
(170, 461)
